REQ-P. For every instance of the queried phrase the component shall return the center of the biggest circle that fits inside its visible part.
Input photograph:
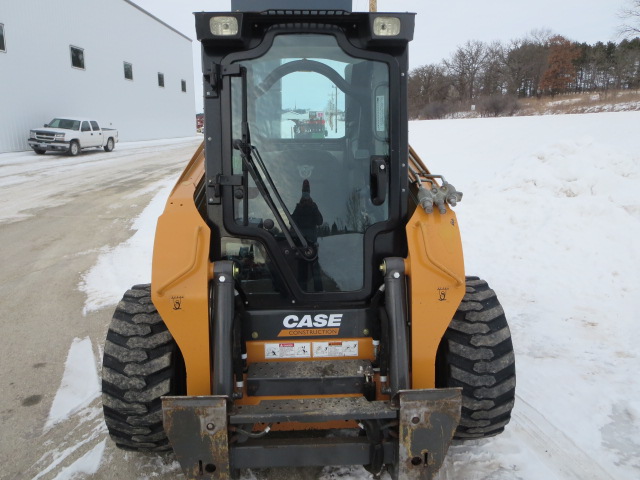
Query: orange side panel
(181, 273)
(435, 267)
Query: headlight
(224, 26)
(59, 136)
(386, 26)
(32, 134)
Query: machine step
(321, 377)
(312, 410)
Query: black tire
(141, 363)
(39, 151)
(110, 145)
(74, 148)
(476, 353)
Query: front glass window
(64, 123)
(317, 116)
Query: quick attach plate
(428, 419)
(197, 431)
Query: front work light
(386, 26)
(224, 26)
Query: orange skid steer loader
(308, 303)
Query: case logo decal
(308, 325)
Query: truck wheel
(476, 353)
(74, 148)
(109, 146)
(141, 363)
(39, 151)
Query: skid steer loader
(308, 303)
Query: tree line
(493, 76)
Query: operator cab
(305, 132)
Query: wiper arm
(247, 160)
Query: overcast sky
(442, 25)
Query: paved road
(56, 213)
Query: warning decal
(335, 349)
(287, 350)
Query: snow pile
(79, 385)
(551, 218)
(129, 263)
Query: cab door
(87, 136)
(313, 197)
(97, 133)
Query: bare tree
(465, 66)
(493, 76)
(524, 61)
(427, 84)
(631, 16)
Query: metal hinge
(223, 180)
(213, 77)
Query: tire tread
(477, 355)
(139, 367)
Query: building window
(128, 71)
(77, 57)
(184, 85)
(160, 79)
(3, 46)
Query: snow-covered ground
(59, 177)
(551, 218)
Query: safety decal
(335, 349)
(287, 350)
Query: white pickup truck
(71, 135)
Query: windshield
(317, 116)
(65, 123)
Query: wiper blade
(272, 185)
(247, 152)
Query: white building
(103, 59)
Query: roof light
(224, 26)
(386, 26)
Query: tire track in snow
(555, 448)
